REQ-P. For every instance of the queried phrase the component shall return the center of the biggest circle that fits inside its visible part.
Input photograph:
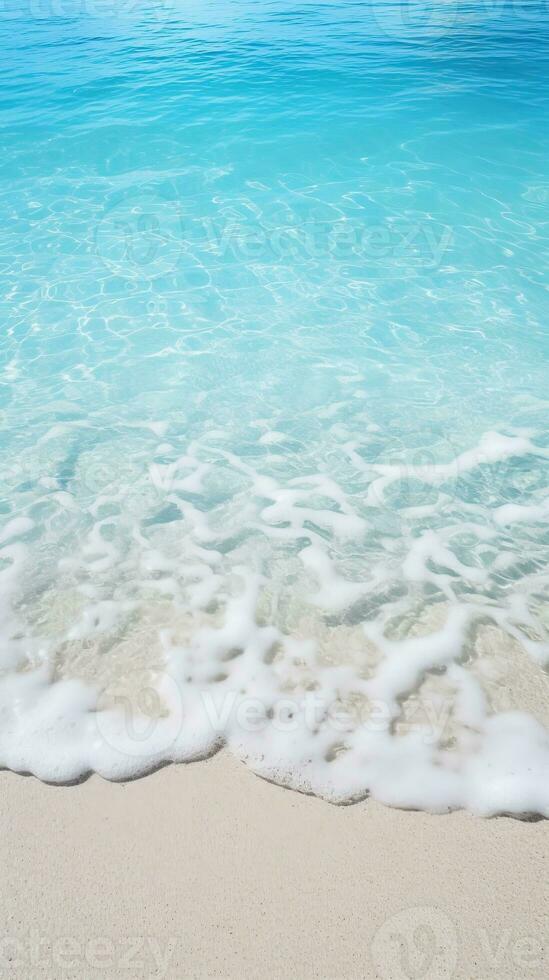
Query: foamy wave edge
(496, 763)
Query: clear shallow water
(274, 394)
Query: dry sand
(208, 871)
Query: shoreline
(203, 870)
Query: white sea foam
(325, 651)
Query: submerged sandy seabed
(448, 711)
(205, 871)
(336, 645)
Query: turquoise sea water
(274, 317)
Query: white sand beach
(205, 870)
